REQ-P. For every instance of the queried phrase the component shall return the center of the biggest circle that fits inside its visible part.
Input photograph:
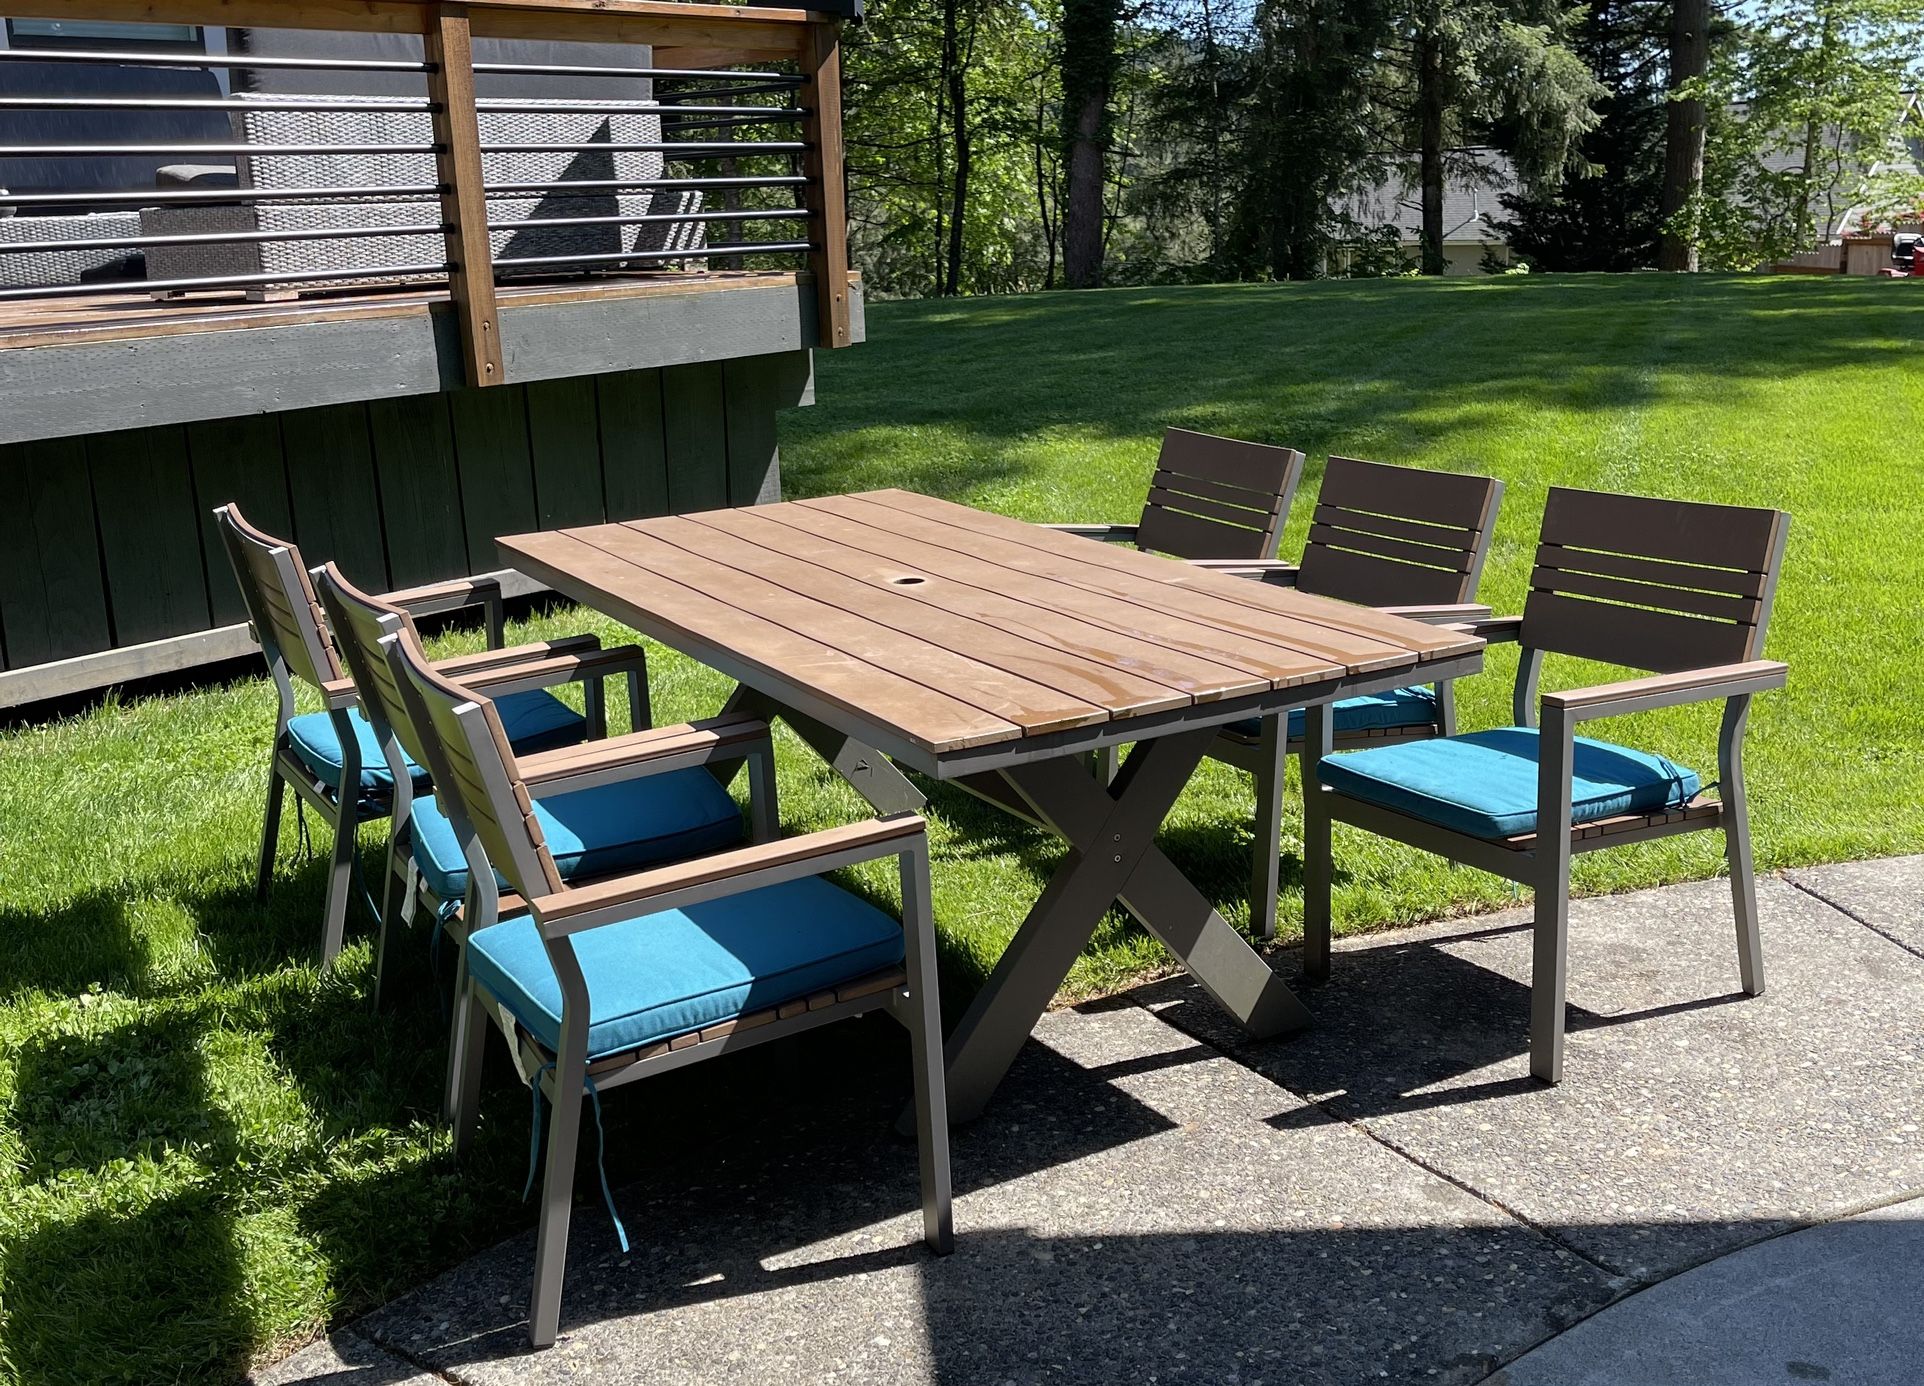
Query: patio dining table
(893, 630)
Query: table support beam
(868, 771)
(1111, 834)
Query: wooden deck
(124, 316)
(94, 364)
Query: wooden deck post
(825, 193)
(464, 202)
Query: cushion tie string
(601, 1150)
(601, 1168)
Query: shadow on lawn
(1376, 367)
(85, 942)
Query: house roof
(1473, 186)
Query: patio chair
(606, 807)
(1678, 589)
(1396, 538)
(600, 985)
(330, 758)
(1210, 497)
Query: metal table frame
(1111, 830)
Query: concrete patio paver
(1385, 1197)
(1221, 1236)
(1887, 895)
(1842, 1303)
(1691, 1118)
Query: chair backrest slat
(280, 600)
(1218, 497)
(474, 770)
(1653, 584)
(360, 623)
(1398, 536)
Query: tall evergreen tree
(1460, 69)
(1607, 218)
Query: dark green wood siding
(108, 542)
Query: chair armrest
(1108, 534)
(1279, 572)
(556, 669)
(1667, 690)
(651, 752)
(436, 597)
(340, 693)
(468, 665)
(726, 873)
(1492, 630)
(1450, 614)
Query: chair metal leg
(1318, 845)
(458, 1027)
(1743, 872)
(1446, 707)
(764, 810)
(1266, 851)
(594, 699)
(270, 824)
(1550, 947)
(340, 876)
(925, 1044)
(1107, 764)
(394, 895)
(641, 712)
(558, 1182)
(470, 1044)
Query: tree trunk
(1088, 81)
(1429, 116)
(1683, 159)
(1044, 189)
(959, 194)
(938, 142)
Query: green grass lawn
(209, 1151)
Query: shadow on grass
(84, 942)
(950, 398)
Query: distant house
(1843, 204)
(1473, 189)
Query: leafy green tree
(1805, 101)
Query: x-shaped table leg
(1113, 856)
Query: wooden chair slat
(1268, 502)
(1372, 581)
(1230, 461)
(1723, 536)
(1162, 498)
(1412, 493)
(1662, 642)
(1644, 594)
(1731, 581)
(1189, 536)
(1394, 527)
(1379, 546)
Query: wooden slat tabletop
(948, 628)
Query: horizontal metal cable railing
(478, 174)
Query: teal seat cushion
(535, 721)
(1395, 707)
(1485, 784)
(656, 976)
(591, 832)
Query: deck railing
(450, 181)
